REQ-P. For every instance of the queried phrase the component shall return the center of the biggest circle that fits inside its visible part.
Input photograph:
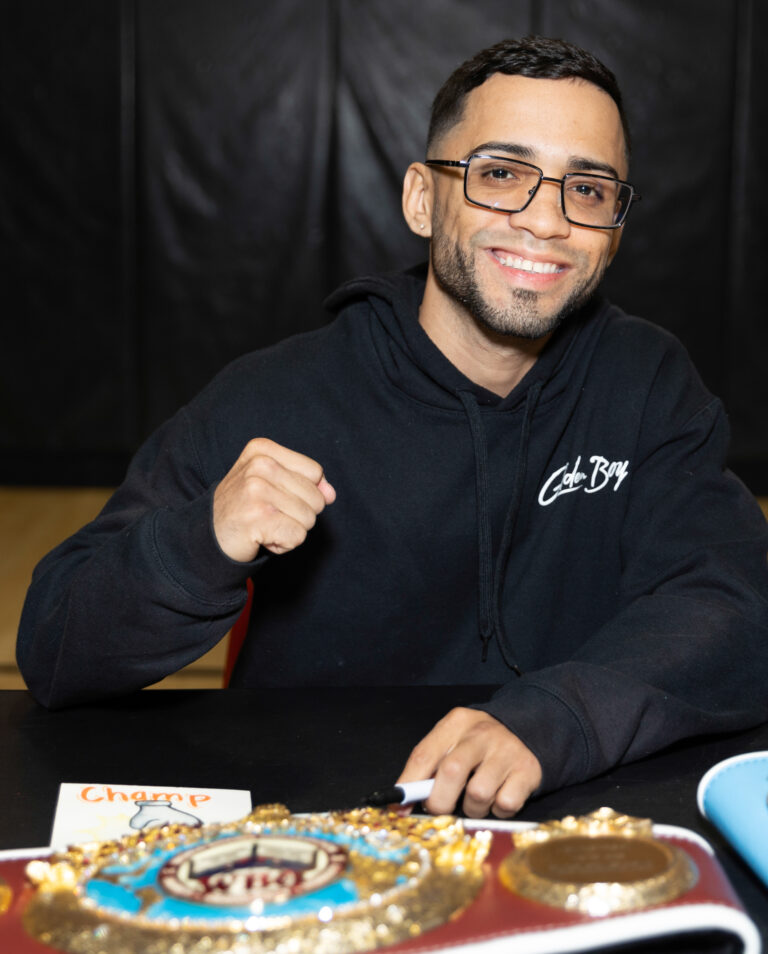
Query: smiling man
(485, 474)
(517, 273)
(522, 276)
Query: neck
(495, 361)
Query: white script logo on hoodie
(600, 474)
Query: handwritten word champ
(105, 793)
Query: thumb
(327, 490)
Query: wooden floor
(32, 522)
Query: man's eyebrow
(582, 164)
(513, 148)
(574, 164)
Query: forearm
(667, 668)
(122, 604)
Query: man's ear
(417, 199)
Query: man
(489, 475)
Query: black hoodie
(577, 543)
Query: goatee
(521, 316)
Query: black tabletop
(312, 749)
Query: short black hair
(538, 57)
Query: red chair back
(237, 635)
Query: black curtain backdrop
(185, 180)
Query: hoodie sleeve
(687, 654)
(120, 604)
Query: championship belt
(344, 882)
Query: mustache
(551, 249)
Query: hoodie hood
(416, 365)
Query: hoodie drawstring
(490, 583)
(484, 540)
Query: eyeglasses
(509, 185)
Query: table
(312, 749)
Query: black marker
(404, 794)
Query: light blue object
(733, 795)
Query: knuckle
(296, 535)
(474, 808)
(480, 791)
(317, 501)
(441, 806)
(453, 769)
(256, 446)
(313, 470)
(287, 535)
(261, 443)
(483, 727)
(455, 718)
(507, 803)
(500, 813)
(263, 466)
(262, 511)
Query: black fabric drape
(185, 180)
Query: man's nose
(543, 216)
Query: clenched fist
(270, 498)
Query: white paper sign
(98, 812)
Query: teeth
(526, 265)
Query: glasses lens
(503, 184)
(595, 200)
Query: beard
(521, 315)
